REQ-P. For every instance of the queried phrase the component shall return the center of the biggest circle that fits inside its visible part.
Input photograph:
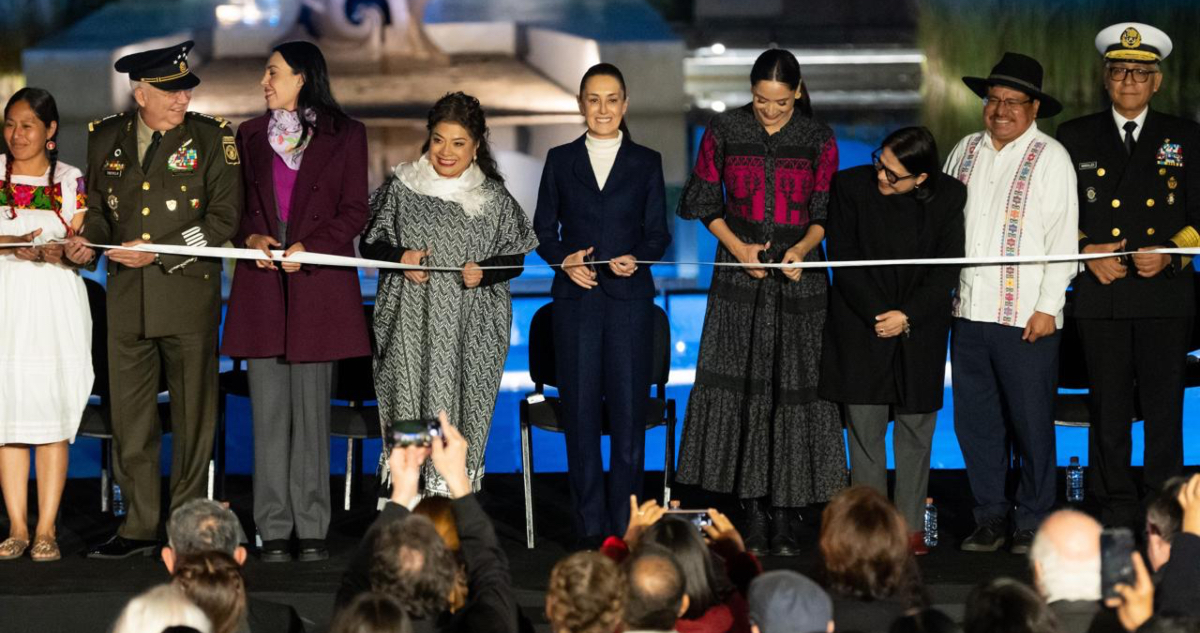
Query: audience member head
(1164, 516)
(1066, 557)
(656, 590)
(412, 564)
(864, 543)
(925, 621)
(705, 586)
(158, 609)
(458, 135)
(440, 511)
(213, 581)
(1005, 605)
(586, 594)
(784, 601)
(372, 613)
(202, 525)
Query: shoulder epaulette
(208, 118)
(105, 121)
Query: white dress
(45, 324)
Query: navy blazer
(627, 217)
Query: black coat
(857, 366)
(1145, 199)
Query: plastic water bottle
(1074, 481)
(931, 530)
(118, 501)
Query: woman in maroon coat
(304, 165)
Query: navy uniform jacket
(629, 217)
(1146, 199)
(191, 195)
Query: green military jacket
(191, 195)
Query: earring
(50, 145)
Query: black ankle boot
(754, 526)
(783, 532)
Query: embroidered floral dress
(754, 424)
(45, 325)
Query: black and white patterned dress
(442, 346)
(755, 426)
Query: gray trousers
(911, 441)
(290, 406)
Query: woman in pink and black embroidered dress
(755, 426)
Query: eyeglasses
(892, 177)
(1009, 104)
(1140, 75)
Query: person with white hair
(1066, 570)
(159, 608)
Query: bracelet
(907, 326)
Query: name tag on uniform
(113, 168)
(1087, 166)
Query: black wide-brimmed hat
(164, 68)
(1019, 72)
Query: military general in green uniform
(160, 175)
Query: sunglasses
(892, 177)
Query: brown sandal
(13, 548)
(45, 550)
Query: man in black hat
(1134, 313)
(160, 175)
(1020, 201)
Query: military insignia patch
(112, 202)
(1171, 198)
(195, 203)
(1131, 38)
(183, 160)
(1172, 183)
(170, 205)
(230, 150)
(1091, 194)
(1171, 155)
(113, 168)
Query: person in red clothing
(716, 566)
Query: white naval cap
(1133, 42)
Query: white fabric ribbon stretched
(319, 259)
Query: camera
(404, 433)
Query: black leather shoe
(985, 538)
(275, 551)
(119, 547)
(311, 549)
(754, 530)
(1022, 540)
(783, 532)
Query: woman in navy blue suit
(602, 198)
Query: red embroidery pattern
(706, 168)
(745, 186)
(794, 181)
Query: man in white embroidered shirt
(1021, 200)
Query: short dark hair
(372, 613)
(586, 594)
(1164, 515)
(704, 585)
(1005, 605)
(655, 589)
(917, 150)
(412, 564)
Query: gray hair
(134, 84)
(203, 525)
(161, 607)
(1061, 577)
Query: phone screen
(1116, 563)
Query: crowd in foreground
(434, 564)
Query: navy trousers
(602, 351)
(1005, 385)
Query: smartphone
(698, 518)
(414, 432)
(1116, 562)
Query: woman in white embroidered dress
(45, 325)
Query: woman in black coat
(884, 351)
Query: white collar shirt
(1121, 121)
(1045, 221)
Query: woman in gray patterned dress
(442, 337)
(755, 426)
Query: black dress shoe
(985, 538)
(783, 533)
(311, 549)
(754, 530)
(1022, 540)
(275, 551)
(119, 547)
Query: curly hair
(463, 109)
(213, 581)
(865, 548)
(412, 564)
(587, 594)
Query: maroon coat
(322, 319)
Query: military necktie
(1130, 126)
(154, 145)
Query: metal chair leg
(669, 458)
(349, 472)
(105, 475)
(527, 475)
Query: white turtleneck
(603, 153)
